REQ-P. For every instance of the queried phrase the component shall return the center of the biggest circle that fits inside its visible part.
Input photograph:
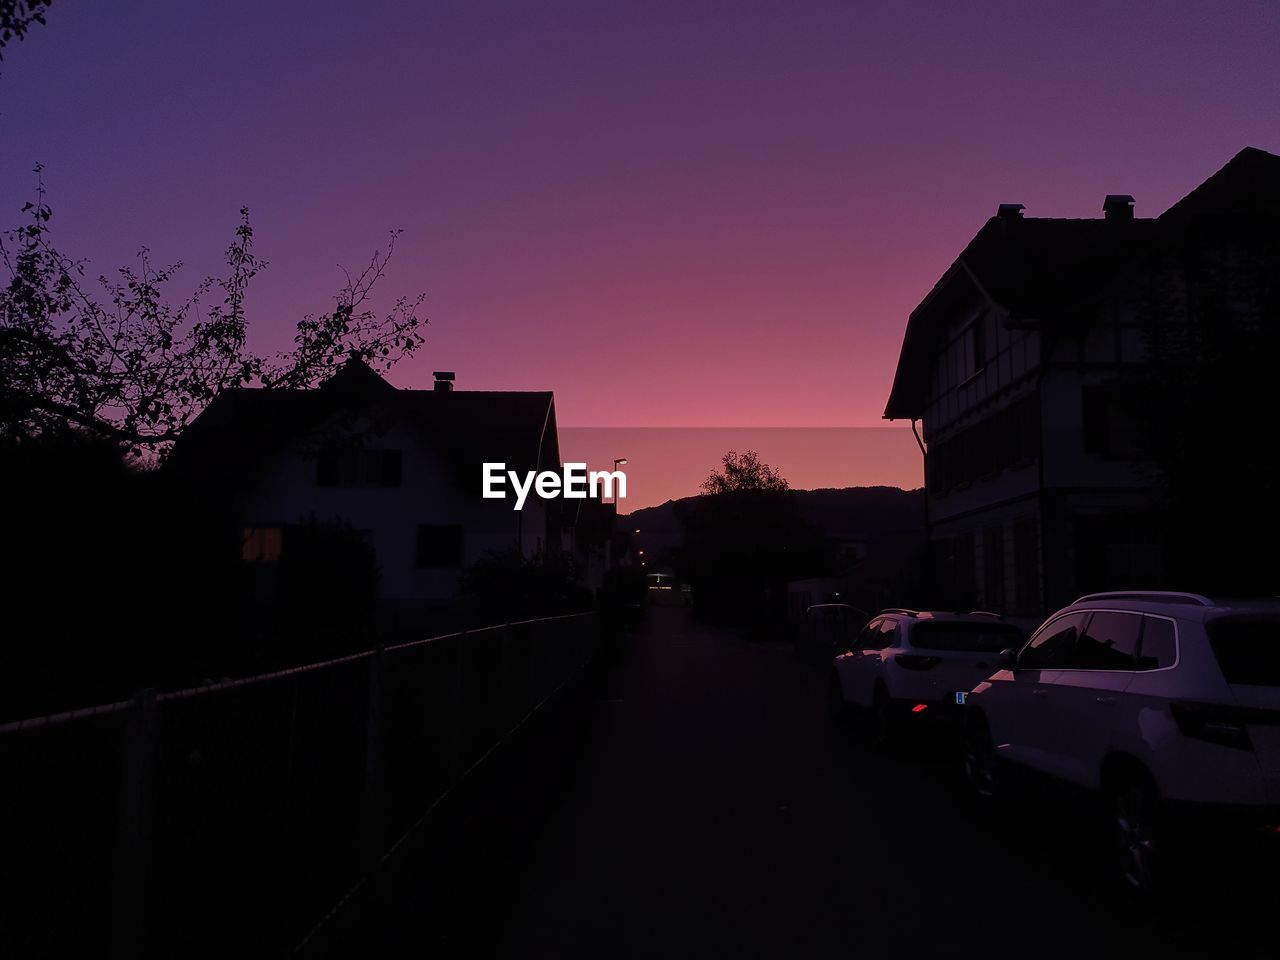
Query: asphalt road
(696, 800)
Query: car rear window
(977, 637)
(1248, 649)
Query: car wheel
(1134, 835)
(884, 727)
(980, 759)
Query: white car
(917, 665)
(1162, 703)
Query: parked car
(909, 665)
(1161, 703)
(827, 629)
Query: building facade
(1017, 373)
(402, 469)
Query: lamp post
(618, 462)
(608, 559)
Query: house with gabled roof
(401, 467)
(1014, 375)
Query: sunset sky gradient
(672, 214)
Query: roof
(1039, 270)
(1186, 606)
(1033, 269)
(244, 427)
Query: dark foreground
(693, 799)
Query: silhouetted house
(1015, 367)
(401, 467)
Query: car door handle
(1105, 699)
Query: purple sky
(713, 214)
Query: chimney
(1118, 206)
(1010, 211)
(444, 380)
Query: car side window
(1054, 644)
(1108, 642)
(889, 634)
(1159, 644)
(869, 637)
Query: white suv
(1163, 703)
(909, 665)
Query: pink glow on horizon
(667, 464)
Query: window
(1054, 644)
(1110, 642)
(1119, 550)
(889, 634)
(1007, 439)
(1159, 644)
(869, 638)
(972, 348)
(1111, 422)
(359, 468)
(440, 545)
(261, 544)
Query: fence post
(138, 762)
(532, 679)
(504, 678)
(459, 685)
(371, 814)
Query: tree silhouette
(743, 471)
(744, 540)
(117, 359)
(16, 18)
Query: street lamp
(618, 462)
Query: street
(708, 806)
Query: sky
(703, 214)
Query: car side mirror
(1008, 659)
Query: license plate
(961, 696)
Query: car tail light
(1212, 722)
(920, 708)
(912, 661)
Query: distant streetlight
(637, 529)
(642, 553)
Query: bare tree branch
(123, 361)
